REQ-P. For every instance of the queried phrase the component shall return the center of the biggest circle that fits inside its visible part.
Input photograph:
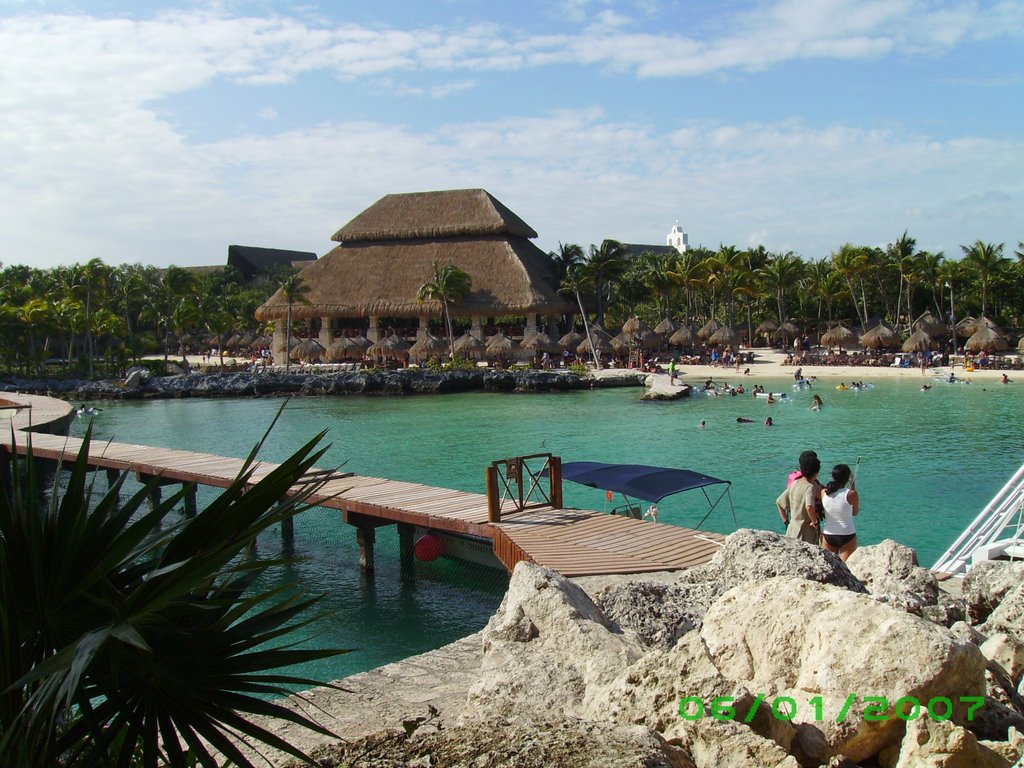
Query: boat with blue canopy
(646, 483)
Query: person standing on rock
(841, 505)
(798, 505)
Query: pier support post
(555, 480)
(288, 532)
(405, 550)
(190, 500)
(365, 535)
(155, 495)
(493, 500)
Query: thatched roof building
(385, 254)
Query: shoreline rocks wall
(140, 385)
(768, 620)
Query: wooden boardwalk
(570, 541)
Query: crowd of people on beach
(821, 514)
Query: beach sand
(768, 363)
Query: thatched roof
(930, 324)
(343, 348)
(918, 341)
(500, 344)
(468, 344)
(724, 335)
(418, 215)
(708, 329)
(309, 349)
(386, 254)
(880, 336)
(428, 345)
(838, 336)
(541, 342)
(986, 338)
(571, 340)
(767, 327)
(665, 327)
(973, 326)
(684, 335)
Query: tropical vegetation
(857, 284)
(131, 636)
(93, 319)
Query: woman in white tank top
(841, 505)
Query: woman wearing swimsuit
(841, 505)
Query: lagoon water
(929, 462)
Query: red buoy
(427, 548)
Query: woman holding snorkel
(840, 504)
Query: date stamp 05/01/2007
(876, 708)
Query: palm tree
(726, 270)
(782, 271)
(577, 281)
(91, 279)
(657, 270)
(986, 260)
(850, 262)
(294, 289)
(449, 285)
(904, 259)
(565, 258)
(605, 265)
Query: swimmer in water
(816, 404)
(768, 422)
(701, 425)
(741, 420)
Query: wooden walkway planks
(571, 541)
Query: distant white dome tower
(678, 239)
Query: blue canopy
(636, 480)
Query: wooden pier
(520, 515)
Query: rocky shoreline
(812, 662)
(141, 385)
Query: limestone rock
(715, 744)
(1012, 749)
(495, 743)
(1008, 653)
(136, 378)
(1008, 615)
(658, 613)
(985, 585)
(548, 651)
(935, 744)
(966, 633)
(659, 387)
(890, 569)
(803, 639)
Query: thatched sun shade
(601, 345)
(541, 342)
(974, 326)
(840, 336)
(650, 339)
(500, 345)
(468, 345)
(392, 346)
(930, 324)
(428, 346)
(963, 326)
(633, 325)
(665, 327)
(880, 337)
(766, 327)
(708, 329)
(621, 343)
(788, 328)
(344, 348)
(310, 349)
(919, 341)
(571, 340)
(986, 338)
(234, 342)
(683, 337)
(1020, 343)
(724, 335)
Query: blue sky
(162, 133)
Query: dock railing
(521, 480)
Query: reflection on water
(930, 461)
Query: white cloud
(267, 113)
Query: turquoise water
(930, 461)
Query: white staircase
(996, 533)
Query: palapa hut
(918, 341)
(986, 339)
(708, 329)
(725, 336)
(428, 346)
(839, 336)
(682, 337)
(386, 252)
(881, 336)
